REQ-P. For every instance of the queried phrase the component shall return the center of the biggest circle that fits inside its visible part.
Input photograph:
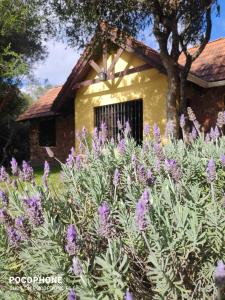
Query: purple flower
(103, 133)
(22, 226)
(4, 198)
(76, 266)
(46, 169)
(84, 133)
(122, 146)
(96, 148)
(214, 133)
(219, 274)
(211, 171)
(127, 129)
(34, 210)
(159, 151)
(169, 128)
(95, 134)
(222, 158)
(72, 295)
(104, 219)
(5, 218)
(141, 174)
(150, 177)
(70, 159)
(173, 169)
(128, 296)
(146, 129)
(119, 125)
(116, 177)
(27, 172)
(4, 176)
(71, 239)
(141, 209)
(13, 236)
(14, 167)
(194, 133)
(156, 133)
(78, 162)
(182, 121)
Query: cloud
(58, 65)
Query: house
(121, 80)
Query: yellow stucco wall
(149, 85)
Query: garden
(127, 221)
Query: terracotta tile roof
(41, 107)
(210, 65)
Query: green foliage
(172, 258)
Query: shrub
(141, 222)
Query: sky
(61, 59)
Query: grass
(54, 180)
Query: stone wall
(206, 103)
(65, 139)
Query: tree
(24, 26)
(176, 24)
(23, 29)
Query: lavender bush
(132, 222)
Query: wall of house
(150, 85)
(206, 103)
(64, 141)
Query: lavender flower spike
(22, 227)
(128, 296)
(14, 167)
(156, 133)
(27, 172)
(13, 236)
(4, 198)
(116, 177)
(72, 295)
(211, 171)
(219, 274)
(71, 239)
(141, 209)
(122, 146)
(3, 174)
(104, 219)
(182, 121)
(146, 129)
(34, 210)
(76, 266)
(46, 169)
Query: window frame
(130, 110)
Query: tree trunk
(183, 98)
(173, 99)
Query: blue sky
(61, 59)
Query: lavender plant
(131, 222)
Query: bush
(141, 222)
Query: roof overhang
(203, 83)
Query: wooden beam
(112, 76)
(105, 57)
(115, 59)
(94, 66)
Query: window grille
(131, 111)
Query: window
(131, 111)
(47, 133)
